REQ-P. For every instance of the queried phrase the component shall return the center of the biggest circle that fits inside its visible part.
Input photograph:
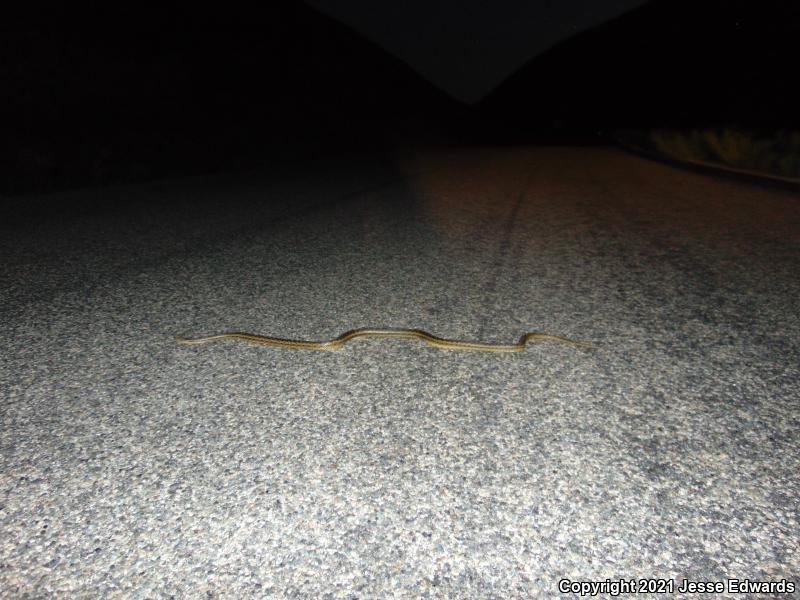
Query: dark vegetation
(773, 155)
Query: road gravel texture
(133, 467)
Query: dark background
(94, 98)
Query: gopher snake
(340, 341)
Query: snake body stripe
(340, 341)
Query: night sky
(468, 47)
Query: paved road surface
(134, 467)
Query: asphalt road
(135, 467)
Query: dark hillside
(669, 63)
(90, 98)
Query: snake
(337, 342)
